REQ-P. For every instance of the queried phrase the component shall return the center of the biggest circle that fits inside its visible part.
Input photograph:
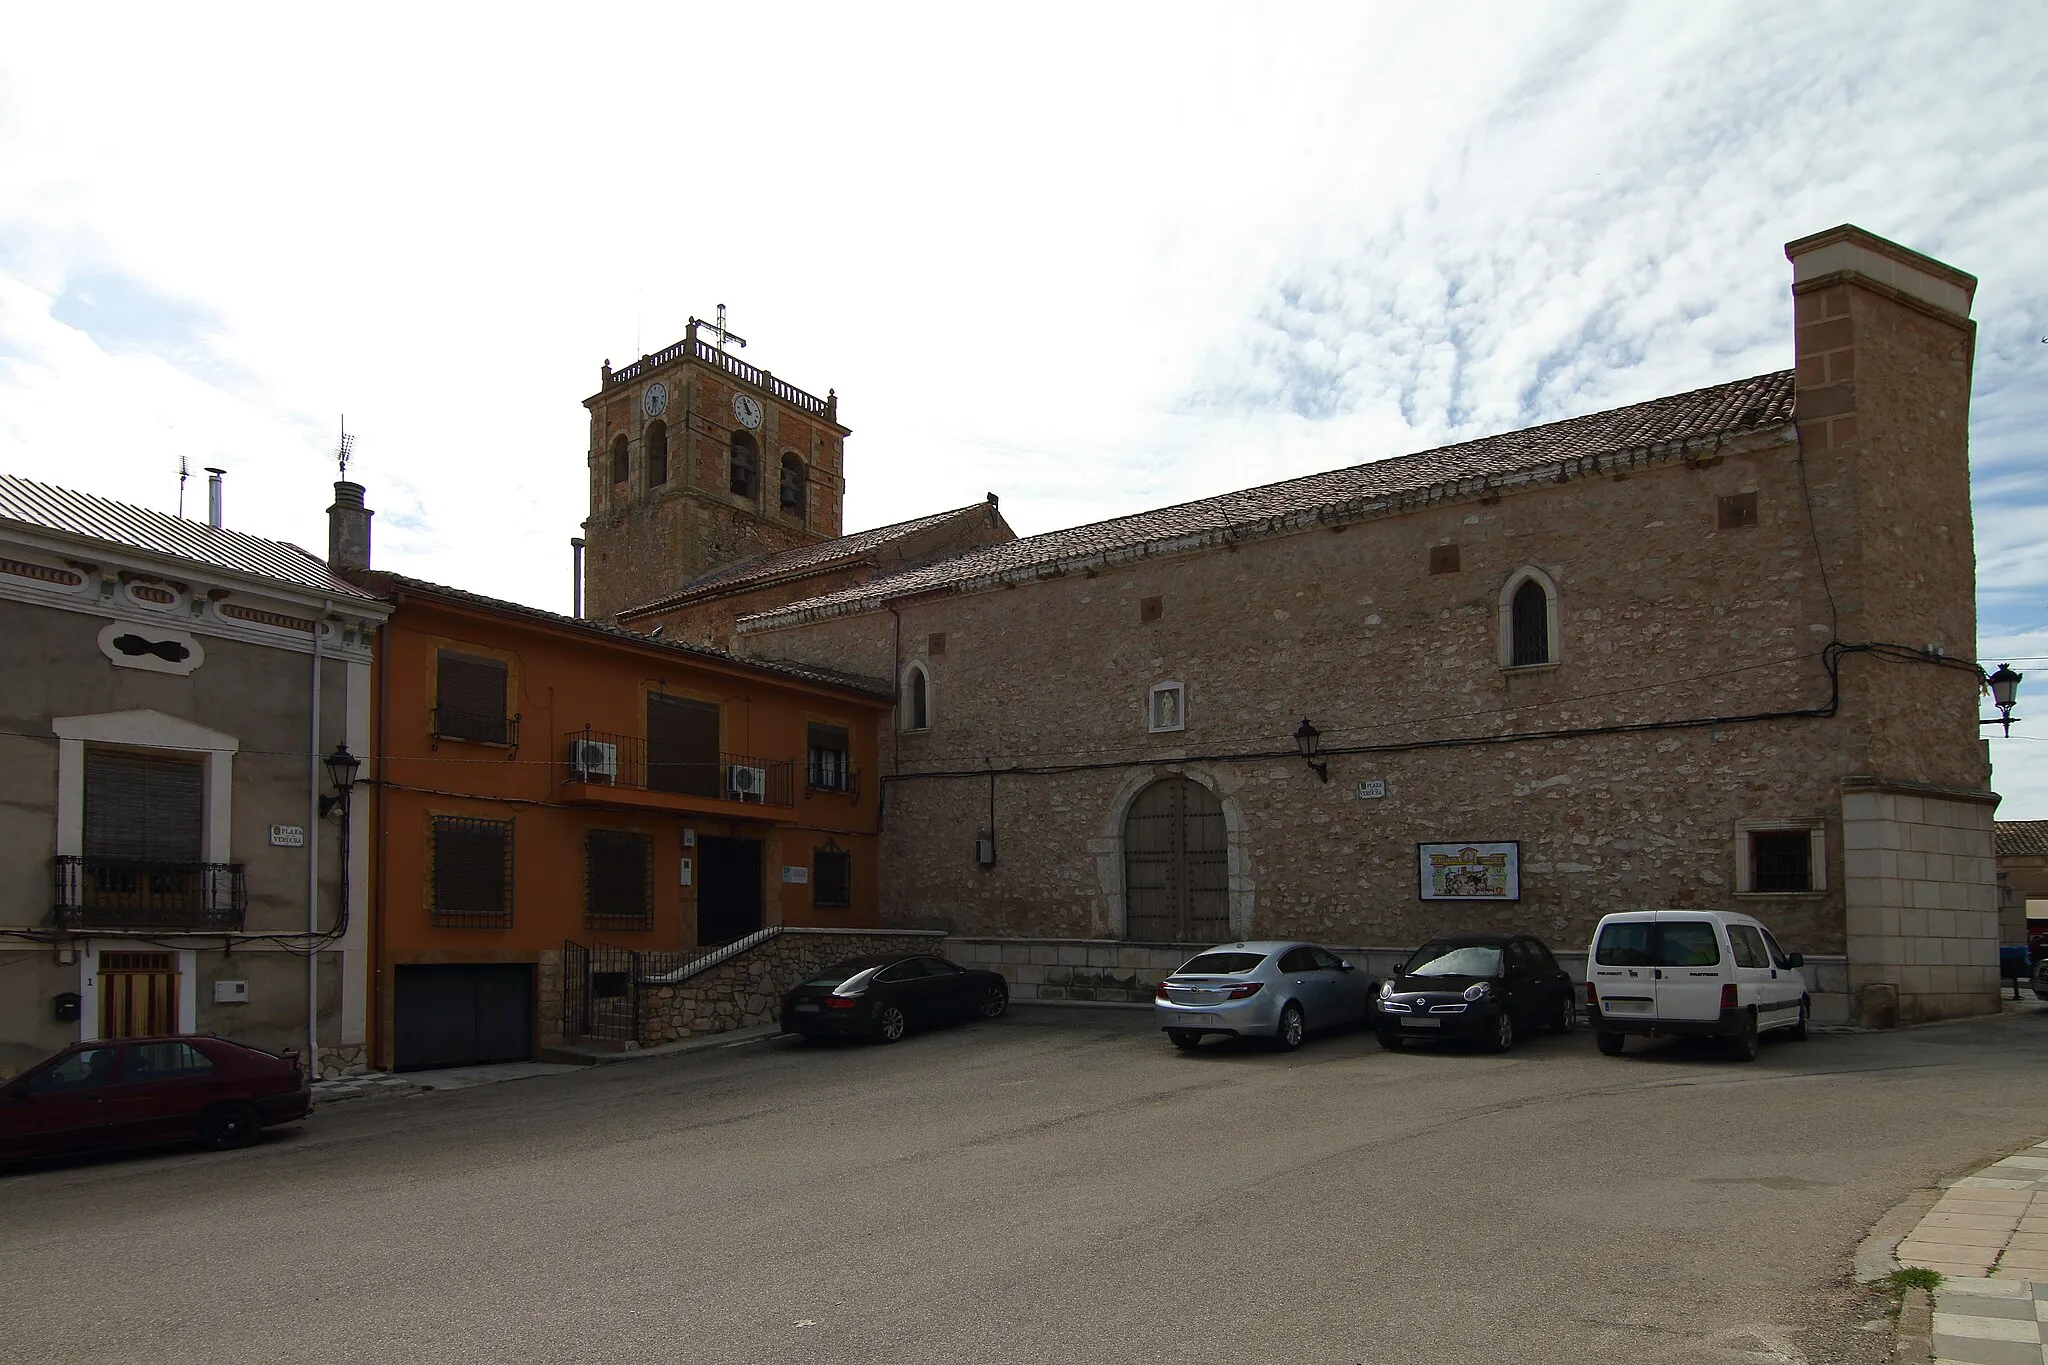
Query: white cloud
(1091, 258)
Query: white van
(1703, 973)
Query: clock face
(655, 401)
(747, 409)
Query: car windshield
(1453, 959)
(1220, 964)
(840, 972)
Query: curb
(760, 1033)
(1874, 1255)
(1915, 1342)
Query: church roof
(1575, 445)
(87, 516)
(819, 557)
(2021, 838)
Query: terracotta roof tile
(2021, 838)
(1742, 406)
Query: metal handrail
(129, 893)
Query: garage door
(463, 1015)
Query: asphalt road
(1053, 1186)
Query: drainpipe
(576, 588)
(313, 858)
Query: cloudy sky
(1093, 258)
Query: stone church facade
(1709, 650)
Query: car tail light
(1245, 991)
(839, 1002)
(1728, 995)
(1592, 997)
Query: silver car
(1267, 989)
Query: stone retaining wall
(746, 990)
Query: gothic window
(794, 479)
(746, 461)
(1528, 620)
(621, 464)
(657, 454)
(917, 699)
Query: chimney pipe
(576, 587)
(213, 473)
(348, 528)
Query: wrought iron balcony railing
(597, 758)
(120, 893)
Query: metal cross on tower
(725, 336)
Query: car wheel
(994, 1000)
(1293, 1028)
(890, 1023)
(1187, 1040)
(230, 1125)
(1797, 1033)
(1390, 1041)
(1503, 1032)
(1742, 1046)
(1567, 1019)
(1609, 1043)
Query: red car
(137, 1091)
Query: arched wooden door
(1176, 869)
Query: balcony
(622, 770)
(117, 893)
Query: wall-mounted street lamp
(1305, 741)
(342, 767)
(2005, 690)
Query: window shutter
(618, 879)
(469, 698)
(682, 746)
(831, 877)
(142, 809)
(472, 872)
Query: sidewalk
(1988, 1236)
(412, 1082)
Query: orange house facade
(546, 788)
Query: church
(1712, 649)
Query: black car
(1483, 988)
(884, 994)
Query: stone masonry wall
(747, 990)
(1923, 903)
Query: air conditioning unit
(593, 760)
(747, 783)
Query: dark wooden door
(682, 746)
(728, 889)
(1176, 869)
(463, 1014)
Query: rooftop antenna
(345, 448)
(184, 473)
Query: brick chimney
(348, 528)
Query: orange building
(545, 785)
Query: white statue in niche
(1166, 709)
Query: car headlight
(1386, 989)
(1479, 990)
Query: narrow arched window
(1530, 626)
(657, 454)
(917, 699)
(622, 468)
(746, 460)
(794, 485)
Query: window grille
(472, 873)
(831, 876)
(469, 698)
(1780, 860)
(657, 454)
(746, 459)
(1531, 626)
(618, 879)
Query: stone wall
(1922, 910)
(746, 990)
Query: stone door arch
(1176, 865)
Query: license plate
(1195, 1020)
(1422, 1023)
(805, 1007)
(1613, 1006)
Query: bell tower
(699, 460)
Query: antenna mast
(184, 473)
(344, 448)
